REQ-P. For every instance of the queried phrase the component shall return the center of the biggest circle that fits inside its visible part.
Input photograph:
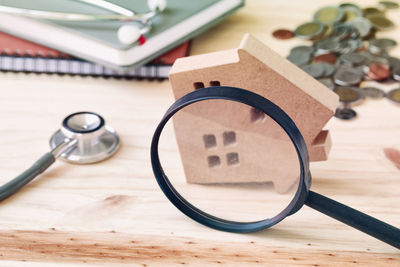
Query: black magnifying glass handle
(354, 218)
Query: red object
(283, 34)
(142, 39)
(11, 45)
(326, 58)
(378, 71)
(14, 46)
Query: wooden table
(113, 213)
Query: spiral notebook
(18, 55)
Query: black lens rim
(270, 109)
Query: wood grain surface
(113, 213)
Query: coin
(362, 25)
(329, 69)
(299, 58)
(389, 4)
(372, 92)
(347, 77)
(326, 46)
(327, 82)
(394, 95)
(352, 59)
(380, 22)
(351, 12)
(327, 58)
(283, 34)
(345, 113)
(378, 71)
(381, 45)
(348, 95)
(344, 5)
(329, 15)
(314, 70)
(309, 30)
(302, 49)
(396, 73)
(394, 62)
(368, 11)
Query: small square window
(215, 83)
(198, 85)
(209, 140)
(213, 161)
(256, 115)
(229, 138)
(232, 159)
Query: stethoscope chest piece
(93, 140)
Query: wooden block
(255, 67)
(320, 147)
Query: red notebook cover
(14, 46)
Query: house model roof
(255, 67)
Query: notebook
(98, 42)
(18, 55)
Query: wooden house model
(211, 152)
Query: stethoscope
(127, 33)
(83, 138)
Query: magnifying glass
(234, 161)
(83, 138)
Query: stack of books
(33, 44)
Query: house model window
(254, 67)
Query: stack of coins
(345, 52)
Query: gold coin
(394, 95)
(380, 22)
(309, 30)
(348, 94)
(329, 15)
(351, 13)
(368, 11)
(389, 4)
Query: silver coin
(353, 59)
(327, 46)
(362, 25)
(314, 70)
(351, 12)
(347, 46)
(380, 46)
(372, 92)
(376, 59)
(394, 62)
(329, 69)
(345, 113)
(396, 73)
(347, 77)
(302, 49)
(342, 31)
(327, 82)
(299, 58)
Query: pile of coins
(345, 52)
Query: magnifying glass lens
(229, 160)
